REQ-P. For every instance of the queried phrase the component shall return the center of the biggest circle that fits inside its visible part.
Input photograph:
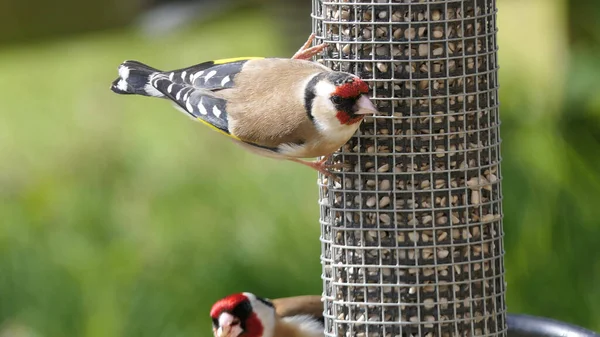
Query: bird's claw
(306, 51)
(321, 166)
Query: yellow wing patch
(235, 59)
(217, 129)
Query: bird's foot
(306, 52)
(321, 166)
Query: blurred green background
(120, 217)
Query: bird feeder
(411, 228)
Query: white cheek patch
(324, 89)
(225, 319)
(323, 108)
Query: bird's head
(243, 313)
(337, 98)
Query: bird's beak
(365, 107)
(228, 326)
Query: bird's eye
(215, 322)
(336, 99)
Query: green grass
(121, 217)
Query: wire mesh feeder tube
(412, 230)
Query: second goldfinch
(252, 316)
(276, 107)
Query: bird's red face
(233, 316)
(351, 101)
(352, 87)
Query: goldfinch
(276, 107)
(253, 316)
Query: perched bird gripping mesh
(412, 229)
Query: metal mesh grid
(411, 230)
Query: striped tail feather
(134, 78)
